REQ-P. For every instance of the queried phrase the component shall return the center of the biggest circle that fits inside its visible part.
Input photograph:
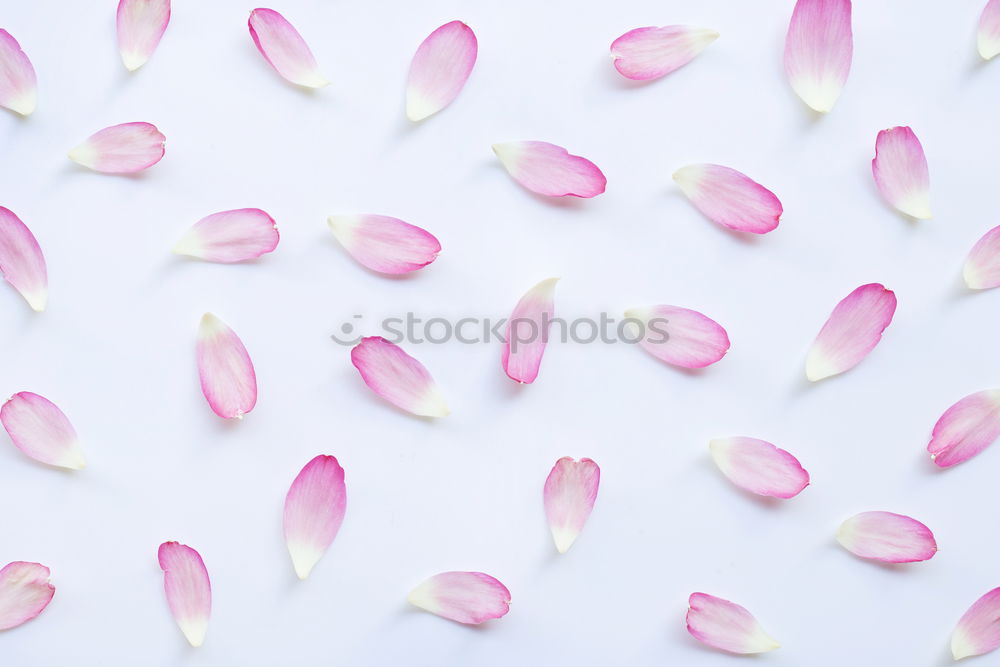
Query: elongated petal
(569, 495)
(230, 236)
(729, 198)
(649, 53)
(25, 592)
(41, 430)
(188, 589)
(465, 597)
(121, 149)
(284, 49)
(759, 467)
(314, 510)
(853, 330)
(989, 30)
(900, 171)
(21, 261)
(982, 266)
(887, 537)
(550, 170)
(397, 377)
(726, 625)
(385, 244)
(527, 332)
(818, 51)
(227, 377)
(141, 24)
(679, 336)
(439, 70)
(966, 428)
(18, 85)
(978, 631)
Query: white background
(115, 349)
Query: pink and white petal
(726, 626)
(982, 266)
(41, 430)
(966, 428)
(384, 244)
(18, 84)
(679, 336)
(121, 149)
(21, 261)
(550, 170)
(819, 47)
(314, 510)
(25, 592)
(900, 171)
(759, 467)
(439, 70)
(527, 332)
(464, 597)
(141, 24)
(284, 49)
(649, 53)
(887, 537)
(398, 378)
(729, 198)
(188, 589)
(569, 496)
(230, 236)
(978, 631)
(989, 30)
(227, 376)
(853, 330)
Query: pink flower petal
(465, 597)
(679, 336)
(527, 332)
(41, 430)
(982, 266)
(314, 510)
(18, 85)
(121, 149)
(397, 377)
(966, 428)
(141, 24)
(853, 330)
(188, 589)
(569, 495)
(818, 51)
(759, 467)
(25, 592)
(725, 625)
(729, 198)
(887, 537)
(230, 236)
(649, 53)
(989, 30)
(227, 377)
(385, 244)
(978, 631)
(284, 49)
(550, 170)
(439, 70)
(900, 171)
(21, 261)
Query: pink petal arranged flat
(230, 236)
(966, 428)
(900, 171)
(141, 24)
(569, 494)
(439, 70)
(729, 198)
(21, 261)
(853, 330)
(726, 626)
(284, 49)
(550, 170)
(464, 597)
(887, 537)
(18, 84)
(982, 266)
(25, 592)
(650, 53)
(188, 589)
(819, 47)
(759, 467)
(680, 336)
(398, 378)
(978, 631)
(227, 376)
(121, 149)
(383, 244)
(527, 332)
(314, 509)
(41, 430)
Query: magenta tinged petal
(729, 198)
(41, 430)
(759, 467)
(818, 51)
(966, 428)
(527, 332)
(978, 631)
(21, 261)
(397, 377)
(989, 30)
(230, 236)
(224, 367)
(900, 171)
(550, 170)
(887, 537)
(314, 510)
(384, 244)
(569, 495)
(725, 625)
(649, 53)
(439, 69)
(25, 592)
(853, 330)
(188, 589)
(18, 86)
(141, 24)
(982, 266)
(679, 336)
(121, 149)
(465, 597)
(284, 49)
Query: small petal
(853, 330)
(887, 537)
(725, 625)
(227, 377)
(21, 261)
(141, 24)
(818, 51)
(679, 336)
(284, 49)
(439, 70)
(966, 428)
(18, 85)
(384, 244)
(188, 589)
(230, 236)
(759, 467)
(397, 377)
(989, 30)
(314, 510)
(900, 171)
(41, 430)
(550, 170)
(465, 597)
(649, 53)
(729, 198)
(982, 266)
(25, 592)
(569, 495)
(121, 149)
(527, 332)
(978, 631)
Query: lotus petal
(141, 24)
(900, 171)
(978, 631)
(679, 336)
(25, 592)
(230, 236)
(982, 266)
(966, 428)
(384, 244)
(464, 597)
(759, 467)
(314, 510)
(121, 149)
(284, 49)
(726, 625)
(439, 70)
(41, 430)
(729, 198)
(853, 330)
(21, 261)
(527, 332)
(188, 589)
(227, 376)
(570, 492)
(397, 377)
(887, 537)
(818, 51)
(989, 30)
(649, 53)
(18, 85)
(550, 170)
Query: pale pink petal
(966, 428)
(141, 24)
(818, 51)
(397, 377)
(314, 510)
(569, 495)
(18, 85)
(900, 171)
(729, 198)
(649, 53)
(224, 367)
(41, 430)
(550, 170)
(527, 332)
(465, 597)
(679, 336)
(25, 592)
(385, 244)
(230, 236)
(989, 30)
(725, 625)
(121, 149)
(284, 49)
(188, 589)
(759, 467)
(887, 537)
(982, 266)
(21, 261)
(439, 69)
(853, 330)
(978, 631)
